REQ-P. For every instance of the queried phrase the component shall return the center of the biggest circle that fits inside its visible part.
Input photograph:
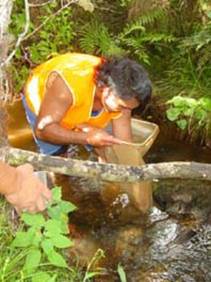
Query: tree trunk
(109, 172)
(3, 130)
(5, 13)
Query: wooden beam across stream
(108, 172)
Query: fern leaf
(95, 38)
(140, 24)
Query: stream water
(172, 242)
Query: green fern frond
(88, 37)
(200, 39)
(136, 26)
(138, 44)
(155, 38)
(151, 16)
(138, 49)
(95, 38)
(150, 38)
(147, 19)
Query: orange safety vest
(77, 70)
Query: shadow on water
(172, 242)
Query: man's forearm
(8, 178)
(54, 133)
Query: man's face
(113, 103)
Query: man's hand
(30, 194)
(100, 138)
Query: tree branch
(41, 4)
(21, 36)
(108, 172)
(47, 19)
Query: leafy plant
(190, 114)
(47, 36)
(199, 44)
(139, 35)
(186, 66)
(45, 236)
(19, 263)
(9, 261)
(18, 19)
(95, 38)
(56, 36)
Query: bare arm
(122, 126)
(57, 101)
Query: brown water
(172, 242)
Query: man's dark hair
(127, 77)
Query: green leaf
(53, 278)
(32, 260)
(57, 194)
(53, 226)
(176, 101)
(51, 233)
(43, 276)
(121, 273)
(53, 257)
(23, 239)
(33, 219)
(65, 227)
(191, 102)
(200, 114)
(206, 103)
(56, 259)
(37, 238)
(179, 101)
(189, 112)
(173, 113)
(67, 207)
(54, 212)
(61, 241)
(182, 123)
(47, 246)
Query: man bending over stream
(71, 98)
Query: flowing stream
(172, 242)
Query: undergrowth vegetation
(171, 38)
(35, 248)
